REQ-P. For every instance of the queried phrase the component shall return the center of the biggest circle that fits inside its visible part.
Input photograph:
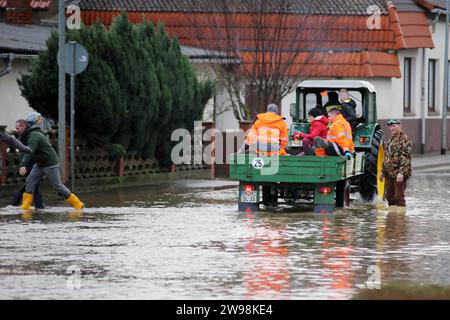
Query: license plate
(249, 197)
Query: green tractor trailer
(326, 181)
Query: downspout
(424, 105)
(8, 64)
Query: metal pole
(445, 106)
(62, 94)
(72, 121)
(424, 106)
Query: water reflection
(336, 251)
(179, 243)
(43, 216)
(27, 215)
(267, 274)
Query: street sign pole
(72, 120)
(62, 94)
(77, 59)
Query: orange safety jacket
(269, 134)
(340, 133)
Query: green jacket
(41, 150)
(398, 156)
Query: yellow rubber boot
(27, 200)
(75, 202)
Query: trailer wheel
(372, 168)
(270, 195)
(343, 194)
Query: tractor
(326, 181)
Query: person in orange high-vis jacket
(269, 134)
(339, 140)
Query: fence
(93, 163)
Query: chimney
(19, 12)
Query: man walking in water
(47, 164)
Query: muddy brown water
(185, 241)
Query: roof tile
(327, 7)
(40, 4)
(335, 42)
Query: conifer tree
(137, 89)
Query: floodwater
(186, 241)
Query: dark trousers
(331, 148)
(334, 150)
(395, 192)
(37, 197)
(307, 145)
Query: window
(432, 85)
(407, 85)
(311, 102)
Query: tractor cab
(315, 93)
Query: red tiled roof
(325, 7)
(357, 51)
(398, 30)
(411, 29)
(430, 4)
(365, 64)
(34, 4)
(40, 4)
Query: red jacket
(317, 128)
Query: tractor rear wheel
(270, 195)
(369, 183)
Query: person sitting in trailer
(318, 128)
(269, 134)
(339, 141)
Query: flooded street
(186, 241)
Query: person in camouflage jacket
(397, 164)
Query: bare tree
(270, 38)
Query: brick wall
(19, 12)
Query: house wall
(390, 95)
(219, 104)
(412, 122)
(12, 105)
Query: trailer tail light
(363, 140)
(248, 188)
(249, 194)
(325, 190)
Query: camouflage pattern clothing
(398, 156)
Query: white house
(397, 45)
